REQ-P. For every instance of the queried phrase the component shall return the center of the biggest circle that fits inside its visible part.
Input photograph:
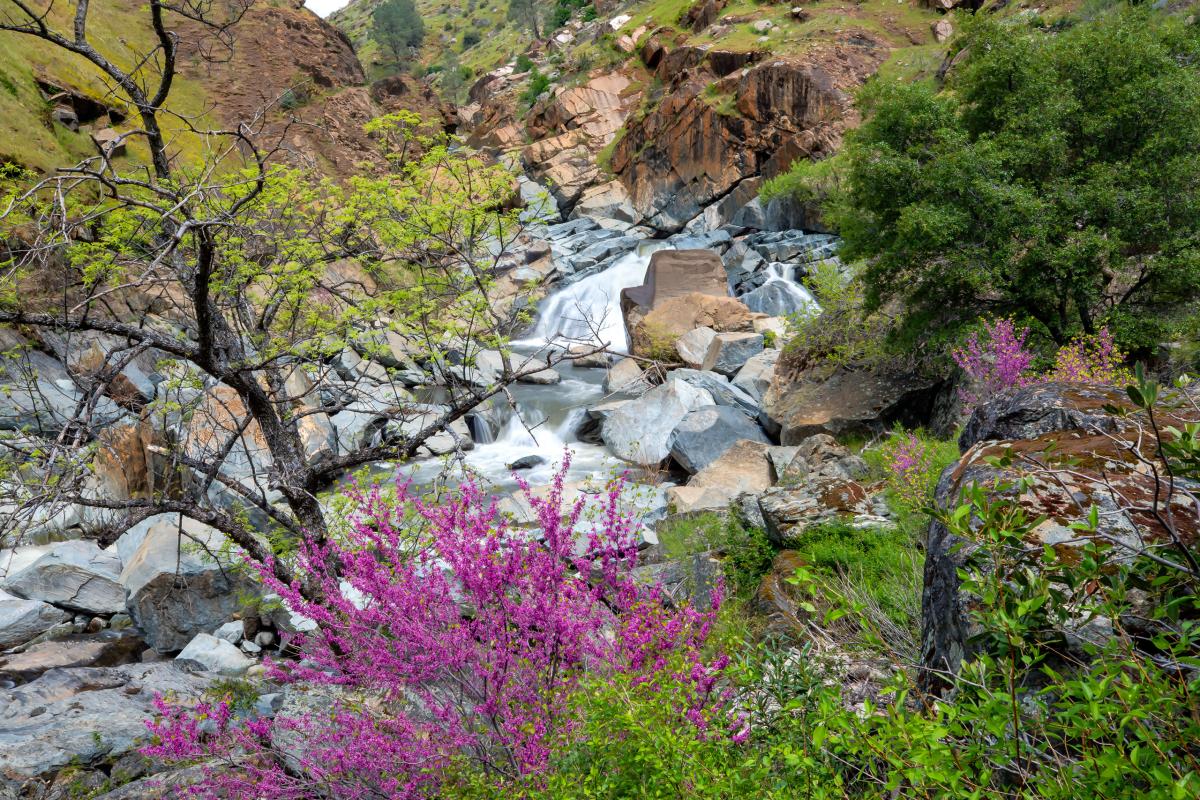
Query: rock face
(706, 434)
(174, 595)
(787, 511)
(640, 430)
(1076, 457)
(215, 655)
(77, 575)
(686, 153)
(82, 715)
(802, 401)
(22, 620)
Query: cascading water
(589, 311)
(782, 274)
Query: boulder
(38, 395)
(723, 392)
(84, 715)
(75, 575)
(802, 401)
(590, 430)
(662, 327)
(526, 462)
(1074, 458)
(788, 510)
(693, 346)
(729, 352)
(103, 649)
(626, 378)
(216, 655)
(22, 620)
(706, 434)
(1040, 409)
(742, 468)
(543, 377)
(639, 430)
(674, 273)
(754, 378)
(173, 594)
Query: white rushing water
(782, 276)
(589, 311)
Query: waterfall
(783, 274)
(589, 311)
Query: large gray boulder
(705, 435)
(38, 395)
(639, 430)
(174, 593)
(692, 347)
(23, 620)
(729, 352)
(216, 655)
(83, 716)
(754, 378)
(723, 392)
(75, 575)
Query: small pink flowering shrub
(1091, 359)
(996, 359)
(445, 634)
(911, 468)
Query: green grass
(122, 32)
(864, 568)
(748, 554)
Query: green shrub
(747, 552)
(538, 83)
(524, 63)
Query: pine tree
(398, 27)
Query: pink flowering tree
(994, 359)
(445, 633)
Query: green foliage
(747, 553)
(471, 38)
(878, 564)
(398, 27)
(841, 333)
(1054, 178)
(538, 83)
(524, 63)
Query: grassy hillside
(28, 136)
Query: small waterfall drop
(782, 274)
(589, 311)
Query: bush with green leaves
(538, 83)
(1053, 178)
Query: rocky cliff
(281, 70)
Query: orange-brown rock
(287, 59)
(691, 151)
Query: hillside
(279, 66)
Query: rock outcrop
(802, 401)
(1076, 456)
(690, 152)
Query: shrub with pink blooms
(911, 468)
(443, 633)
(1091, 359)
(996, 358)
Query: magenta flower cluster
(444, 633)
(910, 468)
(995, 359)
